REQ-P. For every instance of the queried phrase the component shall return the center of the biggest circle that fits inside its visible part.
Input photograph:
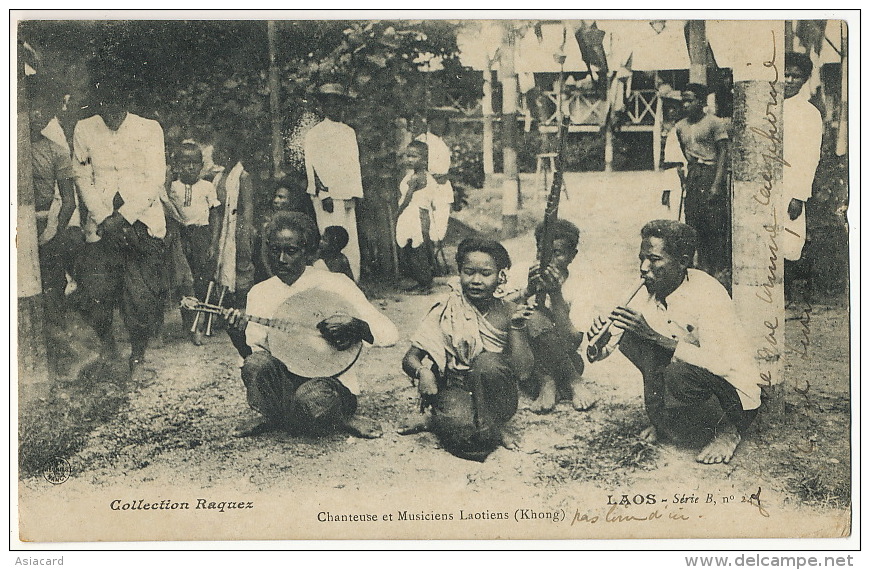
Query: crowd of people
(121, 226)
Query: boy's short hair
(562, 229)
(421, 146)
(338, 235)
(490, 247)
(294, 181)
(679, 239)
(188, 148)
(800, 60)
(299, 223)
(701, 91)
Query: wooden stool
(544, 156)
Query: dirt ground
(792, 474)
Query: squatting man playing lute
(684, 337)
(289, 401)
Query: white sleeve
(256, 335)
(383, 330)
(83, 167)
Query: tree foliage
(187, 73)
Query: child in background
(232, 240)
(442, 193)
(288, 195)
(334, 240)
(414, 218)
(193, 204)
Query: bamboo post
(657, 129)
(511, 183)
(486, 107)
(697, 51)
(843, 122)
(757, 204)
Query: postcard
(301, 278)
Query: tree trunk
(275, 104)
(32, 354)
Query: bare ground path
(174, 439)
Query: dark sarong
(299, 405)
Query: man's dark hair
(490, 247)
(299, 223)
(562, 229)
(679, 239)
(801, 61)
(422, 147)
(44, 92)
(338, 235)
(701, 91)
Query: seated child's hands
(521, 316)
(417, 182)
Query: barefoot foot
(363, 427)
(509, 440)
(582, 397)
(254, 428)
(415, 423)
(649, 435)
(546, 398)
(721, 449)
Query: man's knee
(320, 404)
(683, 384)
(259, 361)
(539, 324)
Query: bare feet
(546, 397)
(253, 428)
(197, 338)
(721, 449)
(649, 435)
(509, 440)
(361, 426)
(415, 423)
(581, 396)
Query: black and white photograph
(283, 277)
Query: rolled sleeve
(382, 328)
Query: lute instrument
(293, 336)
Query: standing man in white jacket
(120, 167)
(332, 165)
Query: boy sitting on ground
(558, 366)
